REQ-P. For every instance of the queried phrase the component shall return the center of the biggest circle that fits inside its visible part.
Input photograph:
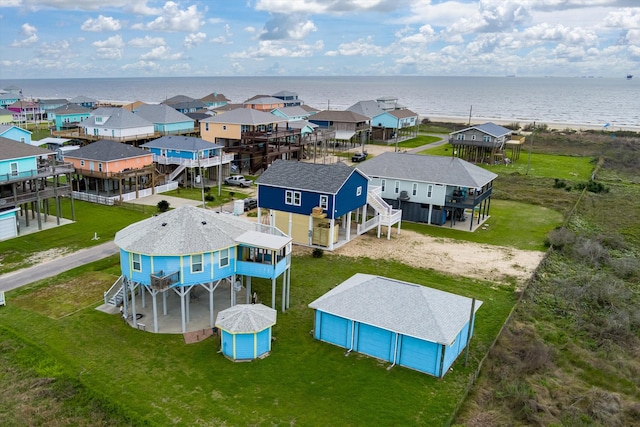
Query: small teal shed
(246, 331)
(402, 323)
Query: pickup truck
(238, 180)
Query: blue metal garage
(399, 322)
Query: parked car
(238, 180)
(250, 203)
(359, 157)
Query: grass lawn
(160, 380)
(419, 141)
(515, 224)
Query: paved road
(18, 278)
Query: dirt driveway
(479, 261)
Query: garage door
(8, 228)
(376, 342)
(334, 329)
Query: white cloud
(623, 18)
(425, 35)
(633, 37)
(194, 39)
(361, 47)
(139, 7)
(174, 19)
(493, 16)
(272, 48)
(561, 34)
(101, 23)
(146, 41)
(110, 48)
(30, 36)
(327, 7)
(161, 52)
(142, 65)
(282, 27)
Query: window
(136, 262)
(383, 183)
(81, 162)
(100, 167)
(196, 263)
(429, 190)
(460, 137)
(292, 198)
(414, 189)
(473, 137)
(22, 139)
(206, 127)
(397, 187)
(224, 127)
(14, 168)
(324, 202)
(224, 258)
(486, 138)
(358, 191)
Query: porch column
(142, 293)
(349, 226)
(133, 306)
(288, 274)
(310, 231)
(331, 228)
(164, 302)
(248, 286)
(290, 227)
(273, 293)
(154, 294)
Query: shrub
(559, 183)
(593, 187)
(560, 237)
(163, 206)
(209, 197)
(317, 253)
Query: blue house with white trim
(68, 116)
(166, 120)
(16, 133)
(178, 251)
(398, 322)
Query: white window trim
(292, 198)
(396, 189)
(196, 263)
(383, 184)
(324, 202)
(134, 262)
(225, 258)
(359, 191)
(414, 189)
(429, 190)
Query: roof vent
(204, 222)
(164, 224)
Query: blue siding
(454, 350)
(227, 344)
(274, 198)
(27, 166)
(333, 329)
(17, 134)
(245, 348)
(375, 342)
(264, 342)
(347, 199)
(420, 355)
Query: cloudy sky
(113, 38)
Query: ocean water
(571, 101)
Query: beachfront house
(117, 124)
(263, 103)
(29, 178)
(320, 205)
(432, 189)
(69, 116)
(6, 117)
(107, 171)
(16, 133)
(215, 100)
(290, 98)
(25, 111)
(84, 101)
(485, 143)
(256, 137)
(187, 256)
(350, 128)
(166, 120)
(389, 124)
(401, 323)
(10, 96)
(292, 113)
(185, 104)
(185, 158)
(49, 105)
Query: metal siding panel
(263, 344)
(334, 330)
(419, 355)
(245, 346)
(376, 342)
(227, 344)
(8, 228)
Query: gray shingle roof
(246, 318)
(10, 149)
(160, 113)
(245, 116)
(431, 169)
(339, 116)
(488, 128)
(184, 143)
(105, 150)
(71, 108)
(402, 307)
(183, 232)
(263, 99)
(293, 111)
(403, 113)
(118, 118)
(306, 176)
(82, 99)
(366, 108)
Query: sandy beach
(551, 125)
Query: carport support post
(154, 293)
(164, 302)
(134, 317)
(284, 291)
(248, 285)
(211, 289)
(273, 293)
(288, 273)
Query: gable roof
(119, 118)
(245, 116)
(5, 128)
(488, 128)
(185, 230)
(432, 169)
(306, 176)
(184, 143)
(10, 149)
(215, 97)
(367, 108)
(402, 113)
(293, 111)
(161, 113)
(105, 150)
(406, 308)
(339, 116)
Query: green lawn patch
(419, 141)
(158, 379)
(549, 166)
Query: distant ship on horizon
(629, 76)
